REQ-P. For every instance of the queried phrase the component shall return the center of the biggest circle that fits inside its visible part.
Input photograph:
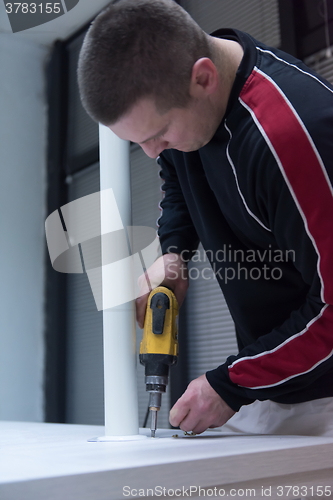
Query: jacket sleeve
(175, 228)
(295, 185)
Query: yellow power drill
(159, 346)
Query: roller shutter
(322, 63)
(85, 383)
(259, 18)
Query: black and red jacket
(263, 186)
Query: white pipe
(120, 391)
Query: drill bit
(153, 425)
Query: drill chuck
(156, 386)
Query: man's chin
(188, 149)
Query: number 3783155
(32, 8)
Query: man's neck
(228, 56)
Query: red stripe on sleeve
(299, 355)
(302, 168)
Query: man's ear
(204, 78)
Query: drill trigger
(159, 304)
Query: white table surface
(40, 461)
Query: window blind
(259, 18)
(85, 382)
(322, 63)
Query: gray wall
(23, 129)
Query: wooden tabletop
(40, 461)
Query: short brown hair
(136, 49)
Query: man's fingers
(174, 417)
(140, 305)
(177, 415)
(199, 428)
(190, 423)
(199, 408)
(156, 273)
(168, 270)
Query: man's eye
(159, 136)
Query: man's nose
(154, 148)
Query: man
(244, 138)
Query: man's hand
(170, 271)
(199, 408)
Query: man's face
(186, 129)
